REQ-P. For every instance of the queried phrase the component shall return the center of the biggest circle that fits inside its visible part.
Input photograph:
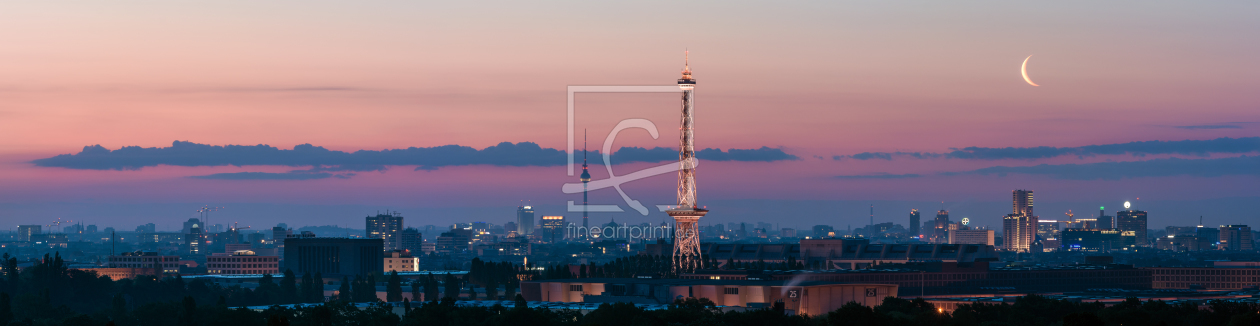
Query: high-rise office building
(387, 227)
(524, 220)
(1019, 229)
(1236, 237)
(914, 223)
(552, 228)
(411, 240)
(25, 232)
(1133, 220)
(1022, 202)
(940, 229)
(1047, 229)
(195, 240)
(1103, 221)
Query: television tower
(586, 178)
(687, 214)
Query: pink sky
(818, 79)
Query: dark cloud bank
(1169, 167)
(1140, 148)
(326, 163)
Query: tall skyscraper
(1019, 229)
(1022, 202)
(524, 220)
(940, 230)
(914, 223)
(688, 213)
(387, 227)
(1132, 220)
(1236, 237)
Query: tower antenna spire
(687, 214)
(586, 178)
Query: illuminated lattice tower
(687, 214)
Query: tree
(288, 287)
(452, 286)
(6, 309)
(119, 304)
(393, 289)
(492, 291)
(357, 289)
(318, 295)
(277, 320)
(343, 293)
(431, 288)
(307, 288)
(415, 290)
(189, 315)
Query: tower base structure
(686, 238)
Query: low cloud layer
(878, 176)
(1140, 148)
(1245, 165)
(322, 160)
(291, 175)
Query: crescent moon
(1024, 70)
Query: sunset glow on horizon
(871, 102)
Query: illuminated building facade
(552, 228)
(1236, 237)
(242, 262)
(524, 220)
(1135, 221)
(914, 223)
(387, 227)
(1019, 229)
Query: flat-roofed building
(401, 261)
(812, 298)
(981, 237)
(242, 262)
(1221, 277)
(333, 257)
(159, 264)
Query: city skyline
(402, 163)
(886, 124)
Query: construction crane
(205, 216)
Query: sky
(126, 112)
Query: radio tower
(687, 214)
(586, 178)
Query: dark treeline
(50, 294)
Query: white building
(398, 261)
